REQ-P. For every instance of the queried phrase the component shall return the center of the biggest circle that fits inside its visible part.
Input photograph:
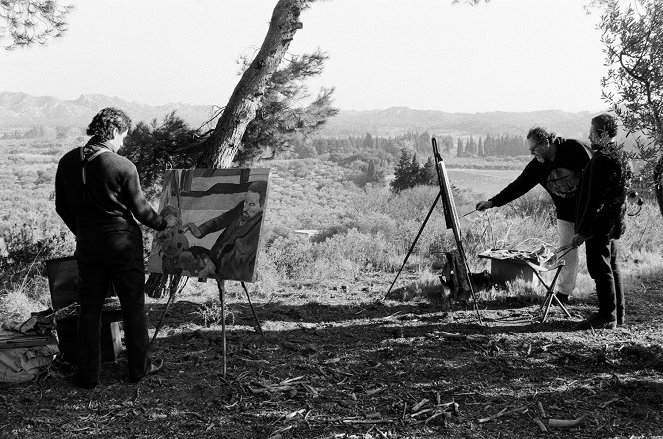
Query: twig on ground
(541, 410)
(452, 335)
(419, 405)
(295, 413)
(436, 415)
(421, 412)
(542, 427)
(565, 423)
(605, 404)
(376, 390)
(495, 416)
(367, 421)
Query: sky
(504, 55)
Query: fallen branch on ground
(540, 424)
(565, 423)
(504, 412)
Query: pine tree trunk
(241, 109)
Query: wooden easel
(222, 297)
(451, 217)
(172, 282)
(175, 286)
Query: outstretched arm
(138, 204)
(519, 187)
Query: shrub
(26, 246)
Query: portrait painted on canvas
(221, 213)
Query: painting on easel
(221, 213)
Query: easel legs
(222, 295)
(222, 298)
(414, 243)
(175, 288)
(255, 316)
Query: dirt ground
(351, 368)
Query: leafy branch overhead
(225, 141)
(633, 85)
(281, 121)
(27, 22)
(155, 147)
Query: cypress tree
(427, 174)
(401, 179)
(414, 171)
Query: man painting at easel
(98, 196)
(557, 166)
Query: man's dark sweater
(113, 193)
(558, 177)
(602, 196)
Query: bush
(26, 247)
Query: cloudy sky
(510, 55)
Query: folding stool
(550, 288)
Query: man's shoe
(597, 321)
(151, 370)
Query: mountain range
(20, 110)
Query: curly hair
(540, 135)
(605, 123)
(106, 121)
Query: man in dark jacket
(234, 252)
(601, 220)
(557, 166)
(98, 196)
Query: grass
(362, 230)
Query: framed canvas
(221, 213)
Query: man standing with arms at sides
(600, 221)
(557, 166)
(98, 196)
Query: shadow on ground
(370, 370)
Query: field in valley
(482, 181)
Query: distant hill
(19, 109)
(396, 120)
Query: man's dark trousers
(113, 255)
(602, 267)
